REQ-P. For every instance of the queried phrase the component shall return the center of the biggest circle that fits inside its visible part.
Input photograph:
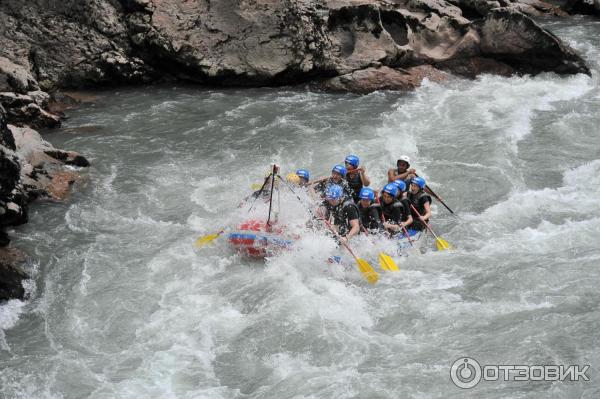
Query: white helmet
(404, 158)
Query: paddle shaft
(259, 192)
(339, 237)
(322, 218)
(437, 197)
(424, 222)
(271, 193)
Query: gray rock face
(78, 43)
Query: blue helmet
(419, 181)
(400, 184)
(367, 193)
(303, 173)
(391, 189)
(334, 192)
(340, 169)
(352, 160)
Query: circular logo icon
(465, 372)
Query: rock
(471, 67)
(384, 78)
(264, 42)
(15, 77)
(30, 167)
(11, 275)
(585, 7)
(516, 40)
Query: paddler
(403, 171)
(369, 210)
(421, 201)
(304, 176)
(396, 213)
(356, 176)
(338, 173)
(343, 211)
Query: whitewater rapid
(122, 305)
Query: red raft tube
(256, 239)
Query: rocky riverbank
(343, 45)
(30, 168)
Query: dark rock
(585, 7)
(11, 275)
(516, 40)
(4, 239)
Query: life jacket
(394, 212)
(355, 183)
(370, 216)
(418, 200)
(338, 213)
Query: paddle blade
(442, 244)
(206, 239)
(387, 263)
(367, 271)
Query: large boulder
(515, 39)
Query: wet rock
(11, 274)
(585, 7)
(384, 78)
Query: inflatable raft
(255, 239)
(417, 240)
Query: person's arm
(351, 214)
(363, 177)
(391, 175)
(355, 229)
(427, 214)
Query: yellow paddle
(201, 241)
(387, 263)
(363, 266)
(440, 243)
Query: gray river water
(122, 305)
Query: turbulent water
(122, 305)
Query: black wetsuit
(418, 201)
(355, 183)
(395, 212)
(342, 214)
(370, 217)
